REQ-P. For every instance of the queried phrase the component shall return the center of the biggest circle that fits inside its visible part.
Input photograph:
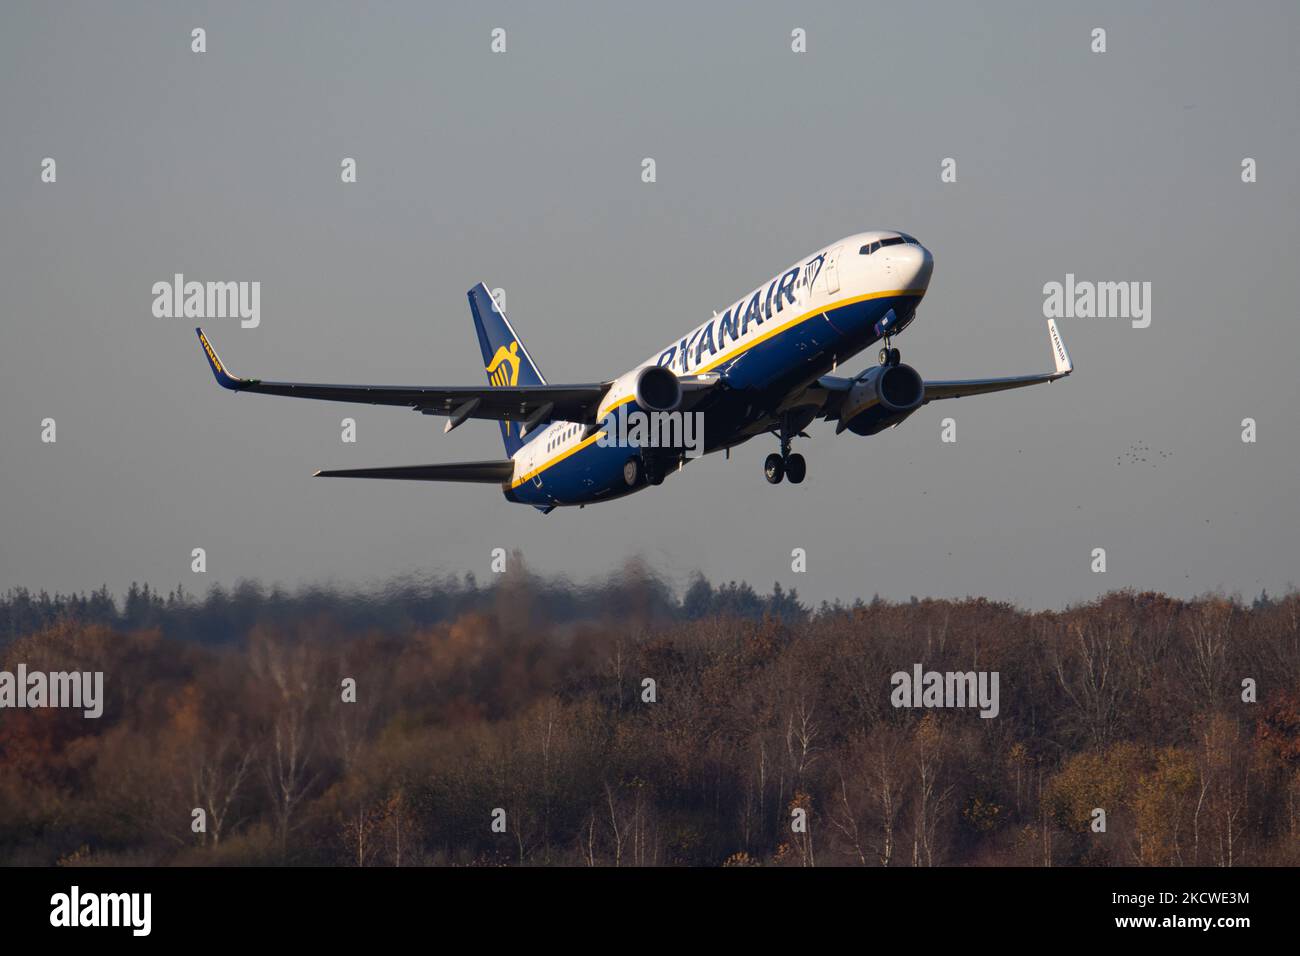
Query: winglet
(224, 378)
(1063, 364)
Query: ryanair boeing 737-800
(764, 366)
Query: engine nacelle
(653, 388)
(881, 397)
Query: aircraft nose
(912, 265)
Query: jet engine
(880, 397)
(653, 388)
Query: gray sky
(523, 170)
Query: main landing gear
(791, 466)
(785, 465)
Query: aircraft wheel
(796, 468)
(884, 356)
(774, 469)
(895, 356)
(632, 472)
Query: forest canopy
(537, 721)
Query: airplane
(764, 366)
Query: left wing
(980, 386)
(521, 403)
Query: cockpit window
(871, 247)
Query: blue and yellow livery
(763, 366)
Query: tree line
(225, 615)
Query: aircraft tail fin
(505, 358)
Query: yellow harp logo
(503, 371)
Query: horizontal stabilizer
(493, 472)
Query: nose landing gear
(889, 355)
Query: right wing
(981, 386)
(568, 402)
